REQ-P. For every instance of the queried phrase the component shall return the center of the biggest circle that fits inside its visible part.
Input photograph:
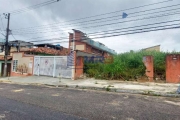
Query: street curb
(108, 89)
(151, 93)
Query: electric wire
(93, 37)
(115, 35)
(33, 7)
(107, 13)
(98, 20)
(133, 20)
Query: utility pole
(7, 16)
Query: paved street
(16, 110)
(39, 102)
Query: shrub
(126, 66)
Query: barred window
(15, 64)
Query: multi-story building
(85, 47)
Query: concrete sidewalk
(149, 88)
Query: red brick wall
(148, 62)
(19, 74)
(70, 38)
(173, 68)
(105, 54)
(79, 63)
(88, 48)
(77, 35)
(79, 67)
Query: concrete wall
(173, 68)
(23, 59)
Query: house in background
(153, 48)
(22, 64)
(51, 60)
(85, 47)
(23, 60)
(48, 49)
(14, 46)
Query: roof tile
(64, 51)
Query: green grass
(127, 66)
(108, 89)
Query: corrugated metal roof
(100, 46)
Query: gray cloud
(67, 10)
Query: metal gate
(52, 66)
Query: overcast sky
(57, 19)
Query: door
(8, 69)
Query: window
(15, 64)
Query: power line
(127, 9)
(137, 29)
(55, 31)
(2, 22)
(59, 42)
(176, 27)
(112, 33)
(162, 15)
(130, 17)
(167, 10)
(135, 26)
(48, 39)
(30, 7)
(109, 12)
(33, 7)
(1, 32)
(44, 40)
(97, 33)
(113, 17)
(13, 36)
(41, 37)
(150, 17)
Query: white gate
(52, 66)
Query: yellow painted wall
(24, 60)
(156, 48)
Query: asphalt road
(14, 110)
(26, 102)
